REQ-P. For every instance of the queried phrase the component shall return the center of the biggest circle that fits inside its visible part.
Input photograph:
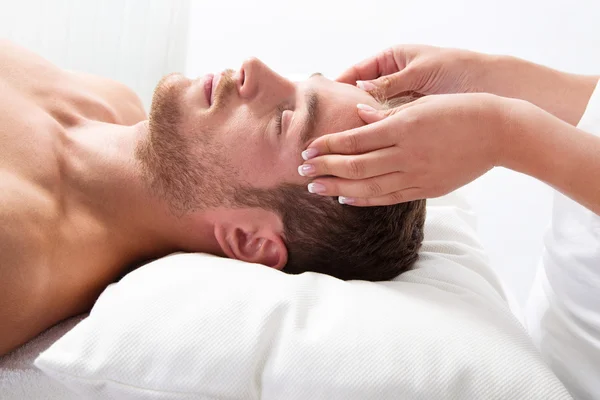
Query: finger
(351, 75)
(384, 63)
(401, 196)
(368, 165)
(365, 188)
(393, 84)
(370, 115)
(365, 70)
(354, 141)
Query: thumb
(349, 76)
(371, 115)
(390, 85)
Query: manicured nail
(346, 200)
(366, 108)
(306, 169)
(316, 188)
(366, 86)
(308, 154)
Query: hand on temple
(423, 149)
(439, 143)
(419, 68)
(434, 70)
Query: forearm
(557, 153)
(562, 94)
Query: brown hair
(321, 235)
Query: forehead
(337, 105)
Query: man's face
(240, 128)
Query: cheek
(250, 152)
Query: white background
(137, 41)
(132, 41)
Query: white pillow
(192, 326)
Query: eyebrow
(312, 108)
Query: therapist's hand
(420, 68)
(423, 149)
(433, 70)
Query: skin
(435, 70)
(411, 152)
(77, 205)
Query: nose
(259, 80)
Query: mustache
(226, 87)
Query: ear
(251, 243)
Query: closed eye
(279, 118)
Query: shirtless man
(48, 241)
(90, 188)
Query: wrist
(509, 131)
(500, 75)
(531, 140)
(562, 94)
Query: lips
(208, 88)
(215, 85)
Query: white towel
(21, 380)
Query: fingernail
(306, 169)
(346, 200)
(316, 188)
(308, 154)
(366, 108)
(366, 86)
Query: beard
(187, 170)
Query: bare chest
(49, 266)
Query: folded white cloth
(21, 380)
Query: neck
(126, 224)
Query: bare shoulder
(123, 101)
(67, 93)
(11, 49)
